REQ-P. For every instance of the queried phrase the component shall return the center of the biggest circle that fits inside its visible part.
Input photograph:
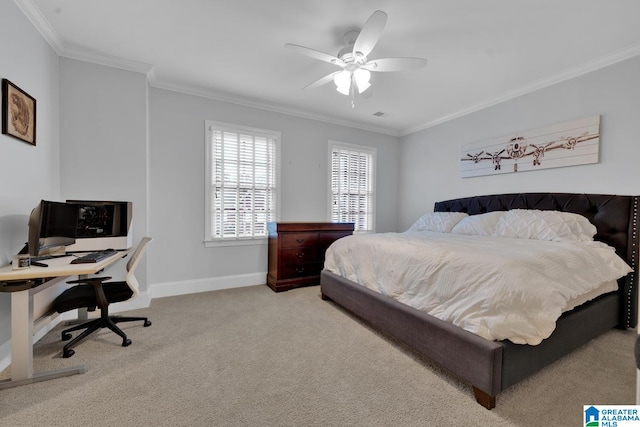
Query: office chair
(97, 292)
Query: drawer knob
(300, 254)
(300, 270)
(300, 240)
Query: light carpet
(251, 357)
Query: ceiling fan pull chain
(352, 91)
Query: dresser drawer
(297, 240)
(301, 254)
(301, 269)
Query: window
(241, 182)
(352, 184)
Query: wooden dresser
(296, 251)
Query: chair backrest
(133, 263)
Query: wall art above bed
(571, 143)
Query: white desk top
(59, 267)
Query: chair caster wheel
(126, 342)
(68, 353)
(66, 336)
(147, 323)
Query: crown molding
(33, 13)
(569, 74)
(247, 102)
(88, 55)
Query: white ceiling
(479, 52)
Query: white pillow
(442, 222)
(481, 224)
(544, 225)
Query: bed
(491, 366)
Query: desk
(23, 323)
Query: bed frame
(492, 366)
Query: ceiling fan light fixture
(353, 59)
(361, 78)
(343, 82)
(343, 90)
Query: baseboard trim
(5, 355)
(168, 289)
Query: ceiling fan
(352, 59)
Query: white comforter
(496, 287)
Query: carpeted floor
(251, 357)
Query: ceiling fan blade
(315, 54)
(395, 64)
(322, 81)
(370, 33)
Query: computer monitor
(102, 224)
(52, 225)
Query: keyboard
(94, 256)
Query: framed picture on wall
(18, 113)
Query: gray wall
(430, 159)
(27, 173)
(104, 143)
(177, 183)
(110, 152)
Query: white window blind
(242, 182)
(352, 185)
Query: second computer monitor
(52, 226)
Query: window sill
(236, 242)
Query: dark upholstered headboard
(615, 218)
